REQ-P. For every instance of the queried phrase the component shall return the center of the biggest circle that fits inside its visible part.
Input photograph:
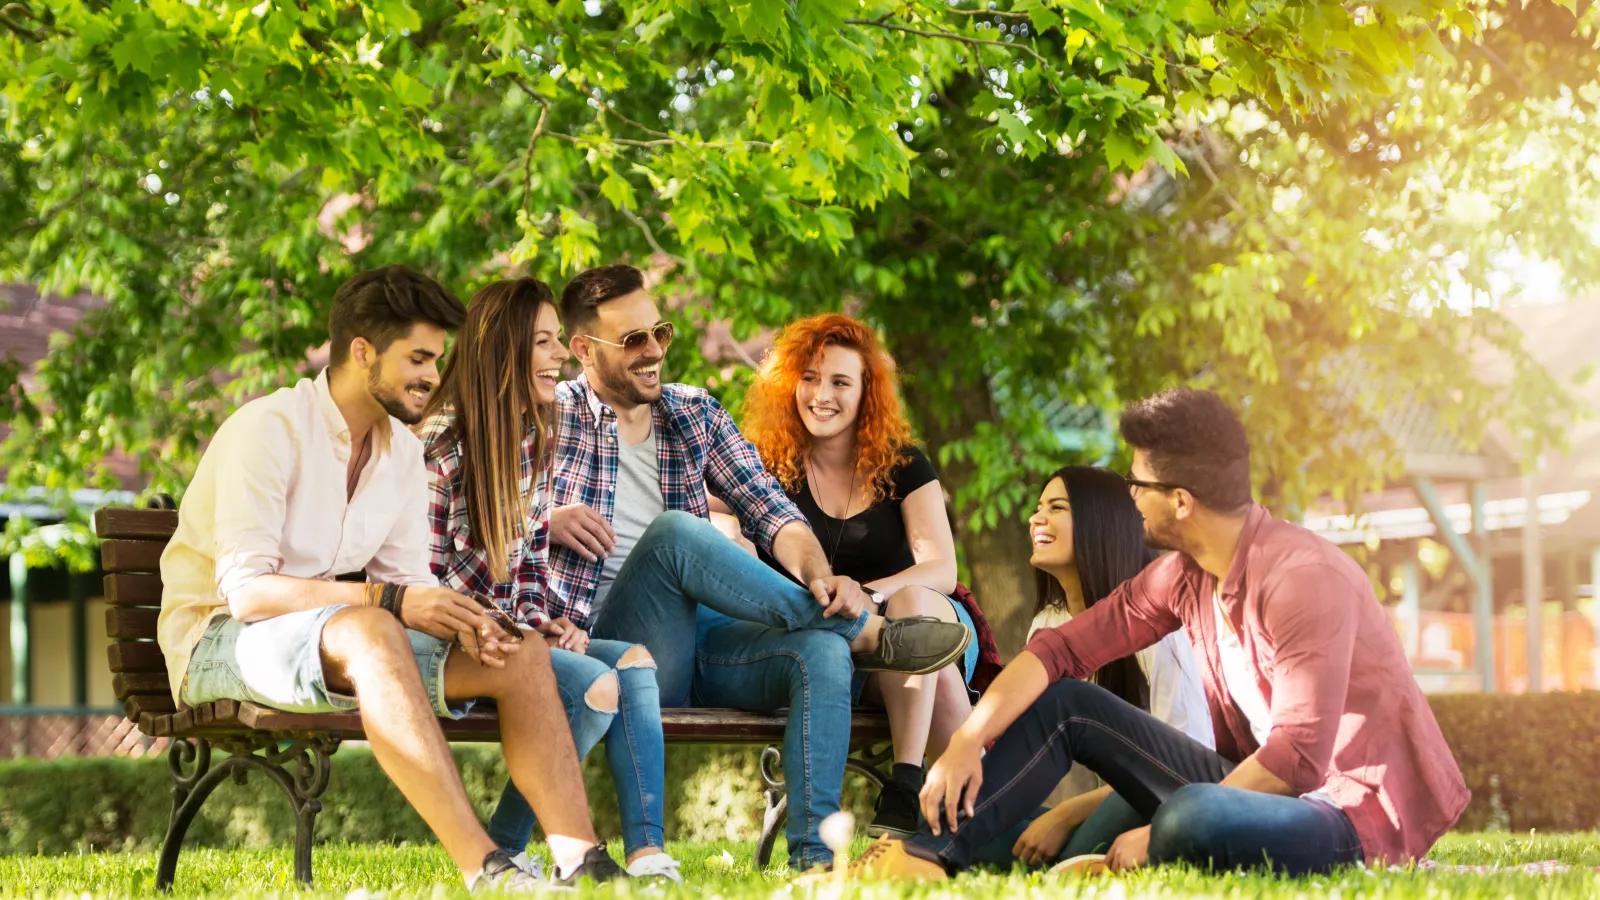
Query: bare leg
(365, 651)
(909, 699)
(537, 740)
(951, 706)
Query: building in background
(1450, 550)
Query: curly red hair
(772, 421)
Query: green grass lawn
(411, 871)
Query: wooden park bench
(294, 750)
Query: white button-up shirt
(269, 498)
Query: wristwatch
(877, 596)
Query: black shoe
(597, 866)
(897, 813)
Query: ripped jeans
(635, 750)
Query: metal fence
(44, 733)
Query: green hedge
(1531, 762)
(65, 805)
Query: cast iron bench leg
(310, 757)
(866, 762)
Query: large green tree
(1017, 195)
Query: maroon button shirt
(1347, 715)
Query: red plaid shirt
(699, 449)
(461, 567)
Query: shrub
(64, 805)
(1530, 762)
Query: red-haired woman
(825, 416)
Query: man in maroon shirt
(1327, 753)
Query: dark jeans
(1107, 823)
(1162, 773)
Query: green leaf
(618, 191)
(656, 26)
(1222, 85)
(1040, 16)
(1132, 85)
(1123, 152)
(411, 91)
(1017, 131)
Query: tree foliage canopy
(1043, 202)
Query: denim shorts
(277, 662)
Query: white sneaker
(502, 874)
(533, 865)
(656, 865)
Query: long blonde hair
(489, 383)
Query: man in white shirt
(320, 479)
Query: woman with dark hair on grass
(1088, 538)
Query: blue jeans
(1108, 822)
(635, 749)
(727, 630)
(1161, 772)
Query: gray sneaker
(915, 645)
(502, 875)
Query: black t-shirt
(871, 544)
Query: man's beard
(616, 379)
(393, 403)
(1159, 537)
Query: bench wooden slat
(130, 589)
(137, 622)
(136, 656)
(131, 556)
(127, 684)
(137, 705)
(710, 726)
(123, 522)
(155, 725)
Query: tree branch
(527, 159)
(649, 235)
(951, 36)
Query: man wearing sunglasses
(635, 558)
(1327, 754)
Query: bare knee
(359, 631)
(915, 600)
(637, 657)
(604, 694)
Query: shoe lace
(867, 856)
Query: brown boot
(887, 860)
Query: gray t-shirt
(639, 501)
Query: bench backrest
(130, 554)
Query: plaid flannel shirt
(456, 562)
(698, 448)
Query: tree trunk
(996, 558)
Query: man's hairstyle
(581, 300)
(1194, 441)
(383, 304)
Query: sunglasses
(1153, 485)
(499, 617)
(635, 341)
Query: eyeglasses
(1152, 485)
(635, 341)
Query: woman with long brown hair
(825, 415)
(487, 437)
(1088, 538)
